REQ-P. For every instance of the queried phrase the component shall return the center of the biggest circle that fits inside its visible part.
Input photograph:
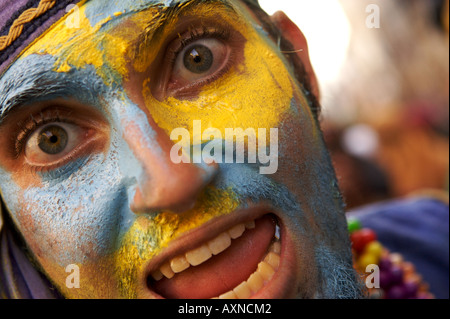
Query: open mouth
(237, 264)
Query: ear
(292, 33)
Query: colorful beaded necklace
(387, 275)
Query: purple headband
(22, 21)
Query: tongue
(224, 272)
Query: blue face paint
(90, 195)
(37, 82)
(81, 212)
(98, 11)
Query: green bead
(354, 225)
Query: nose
(165, 185)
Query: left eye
(52, 142)
(199, 61)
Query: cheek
(72, 220)
(305, 168)
(300, 143)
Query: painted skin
(113, 202)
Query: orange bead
(424, 287)
(396, 259)
(408, 268)
(413, 277)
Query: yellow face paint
(254, 94)
(149, 235)
(79, 44)
(63, 41)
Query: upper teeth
(201, 254)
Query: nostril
(176, 201)
(175, 191)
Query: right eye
(53, 139)
(52, 142)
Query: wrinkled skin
(113, 202)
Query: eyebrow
(21, 88)
(15, 91)
(19, 100)
(168, 15)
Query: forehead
(100, 34)
(97, 10)
(144, 17)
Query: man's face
(87, 175)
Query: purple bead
(385, 264)
(397, 292)
(396, 275)
(411, 289)
(385, 279)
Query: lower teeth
(263, 274)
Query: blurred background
(383, 68)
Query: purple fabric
(8, 8)
(419, 230)
(11, 9)
(18, 278)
